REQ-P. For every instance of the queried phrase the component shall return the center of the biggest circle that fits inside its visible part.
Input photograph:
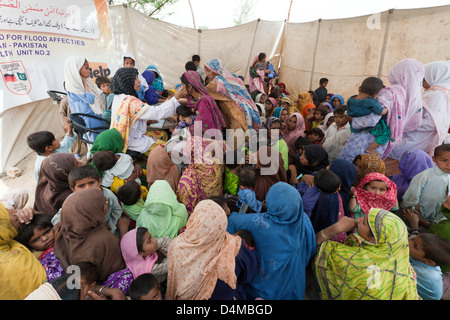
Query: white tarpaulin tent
(343, 50)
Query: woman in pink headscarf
(295, 128)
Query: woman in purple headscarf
(411, 163)
(208, 113)
(150, 95)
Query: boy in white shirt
(337, 134)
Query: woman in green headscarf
(162, 214)
(109, 140)
(372, 264)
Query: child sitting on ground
(116, 166)
(319, 116)
(375, 190)
(130, 196)
(144, 254)
(428, 254)
(337, 134)
(364, 104)
(429, 189)
(145, 287)
(44, 144)
(246, 193)
(186, 118)
(247, 237)
(316, 136)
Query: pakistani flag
(22, 76)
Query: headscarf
(131, 256)
(74, 84)
(346, 172)
(123, 81)
(315, 98)
(281, 84)
(278, 111)
(438, 74)
(21, 273)
(265, 181)
(208, 112)
(305, 112)
(203, 177)
(83, 235)
(130, 108)
(303, 99)
(162, 214)
(109, 140)
(368, 270)
(233, 88)
(411, 163)
(256, 83)
(285, 240)
(161, 167)
(371, 163)
(158, 83)
(324, 126)
(368, 200)
(150, 95)
(403, 99)
(53, 186)
(317, 158)
(291, 106)
(267, 124)
(336, 96)
(202, 254)
(290, 136)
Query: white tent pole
(314, 55)
(386, 37)
(192, 12)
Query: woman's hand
(181, 93)
(24, 215)
(308, 179)
(346, 224)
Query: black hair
(220, 200)
(129, 58)
(142, 285)
(82, 172)
(186, 82)
(327, 181)
(322, 80)
(441, 148)
(301, 141)
(339, 110)
(64, 291)
(102, 80)
(184, 111)
(317, 131)
(190, 66)
(38, 141)
(324, 111)
(129, 193)
(165, 93)
(88, 272)
(261, 56)
(195, 58)
(247, 176)
(246, 236)
(436, 249)
(371, 86)
(141, 231)
(40, 221)
(358, 157)
(104, 160)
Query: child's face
(148, 246)
(314, 137)
(318, 116)
(303, 160)
(283, 115)
(262, 99)
(105, 88)
(269, 105)
(340, 120)
(284, 104)
(324, 84)
(292, 122)
(84, 71)
(443, 161)
(128, 63)
(85, 287)
(417, 251)
(54, 146)
(188, 120)
(42, 239)
(336, 102)
(86, 183)
(376, 187)
(327, 99)
(330, 121)
(137, 84)
(153, 294)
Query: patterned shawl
(256, 82)
(303, 99)
(370, 163)
(368, 200)
(21, 273)
(53, 187)
(233, 88)
(202, 254)
(360, 270)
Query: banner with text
(36, 38)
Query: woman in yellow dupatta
(303, 99)
(20, 271)
(372, 264)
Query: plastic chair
(57, 96)
(80, 128)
